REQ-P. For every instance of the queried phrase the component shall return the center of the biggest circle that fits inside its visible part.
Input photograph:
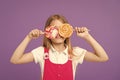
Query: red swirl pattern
(51, 32)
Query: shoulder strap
(46, 50)
(46, 53)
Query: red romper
(54, 71)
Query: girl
(57, 58)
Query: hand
(35, 33)
(82, 31)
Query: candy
(51, 32)
(65, 30)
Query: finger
(41, 32)
(35, 33)
(76, 29)
(82, 29)
(85, 29)
(79, 30)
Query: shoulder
(38, 54)
(38, 49)
(79, 54)
(78, 51)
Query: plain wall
(102, 17)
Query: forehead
(56, 23)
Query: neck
(59, 47)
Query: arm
(19, 56)
(99, 54)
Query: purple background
(18, 17)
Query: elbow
(13, 61)
(105, 59)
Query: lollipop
(51, 32)
(65, 30)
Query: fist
(82, 31)
(35, 33)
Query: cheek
(60, 40)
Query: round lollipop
(65, 30)
(51, 32)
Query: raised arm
(19, 56)
(99, 54)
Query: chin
(58, 41)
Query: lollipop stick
(75, 30)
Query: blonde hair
(47, 42)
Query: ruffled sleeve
(79, 54)
(38, 54)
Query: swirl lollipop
(51, 32)
(65, 30)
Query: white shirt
(59, 58)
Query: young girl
(57, 58)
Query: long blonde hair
(47, 42)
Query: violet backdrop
(102, 17)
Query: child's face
(58, 39)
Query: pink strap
(46, 53)
(46, 50)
